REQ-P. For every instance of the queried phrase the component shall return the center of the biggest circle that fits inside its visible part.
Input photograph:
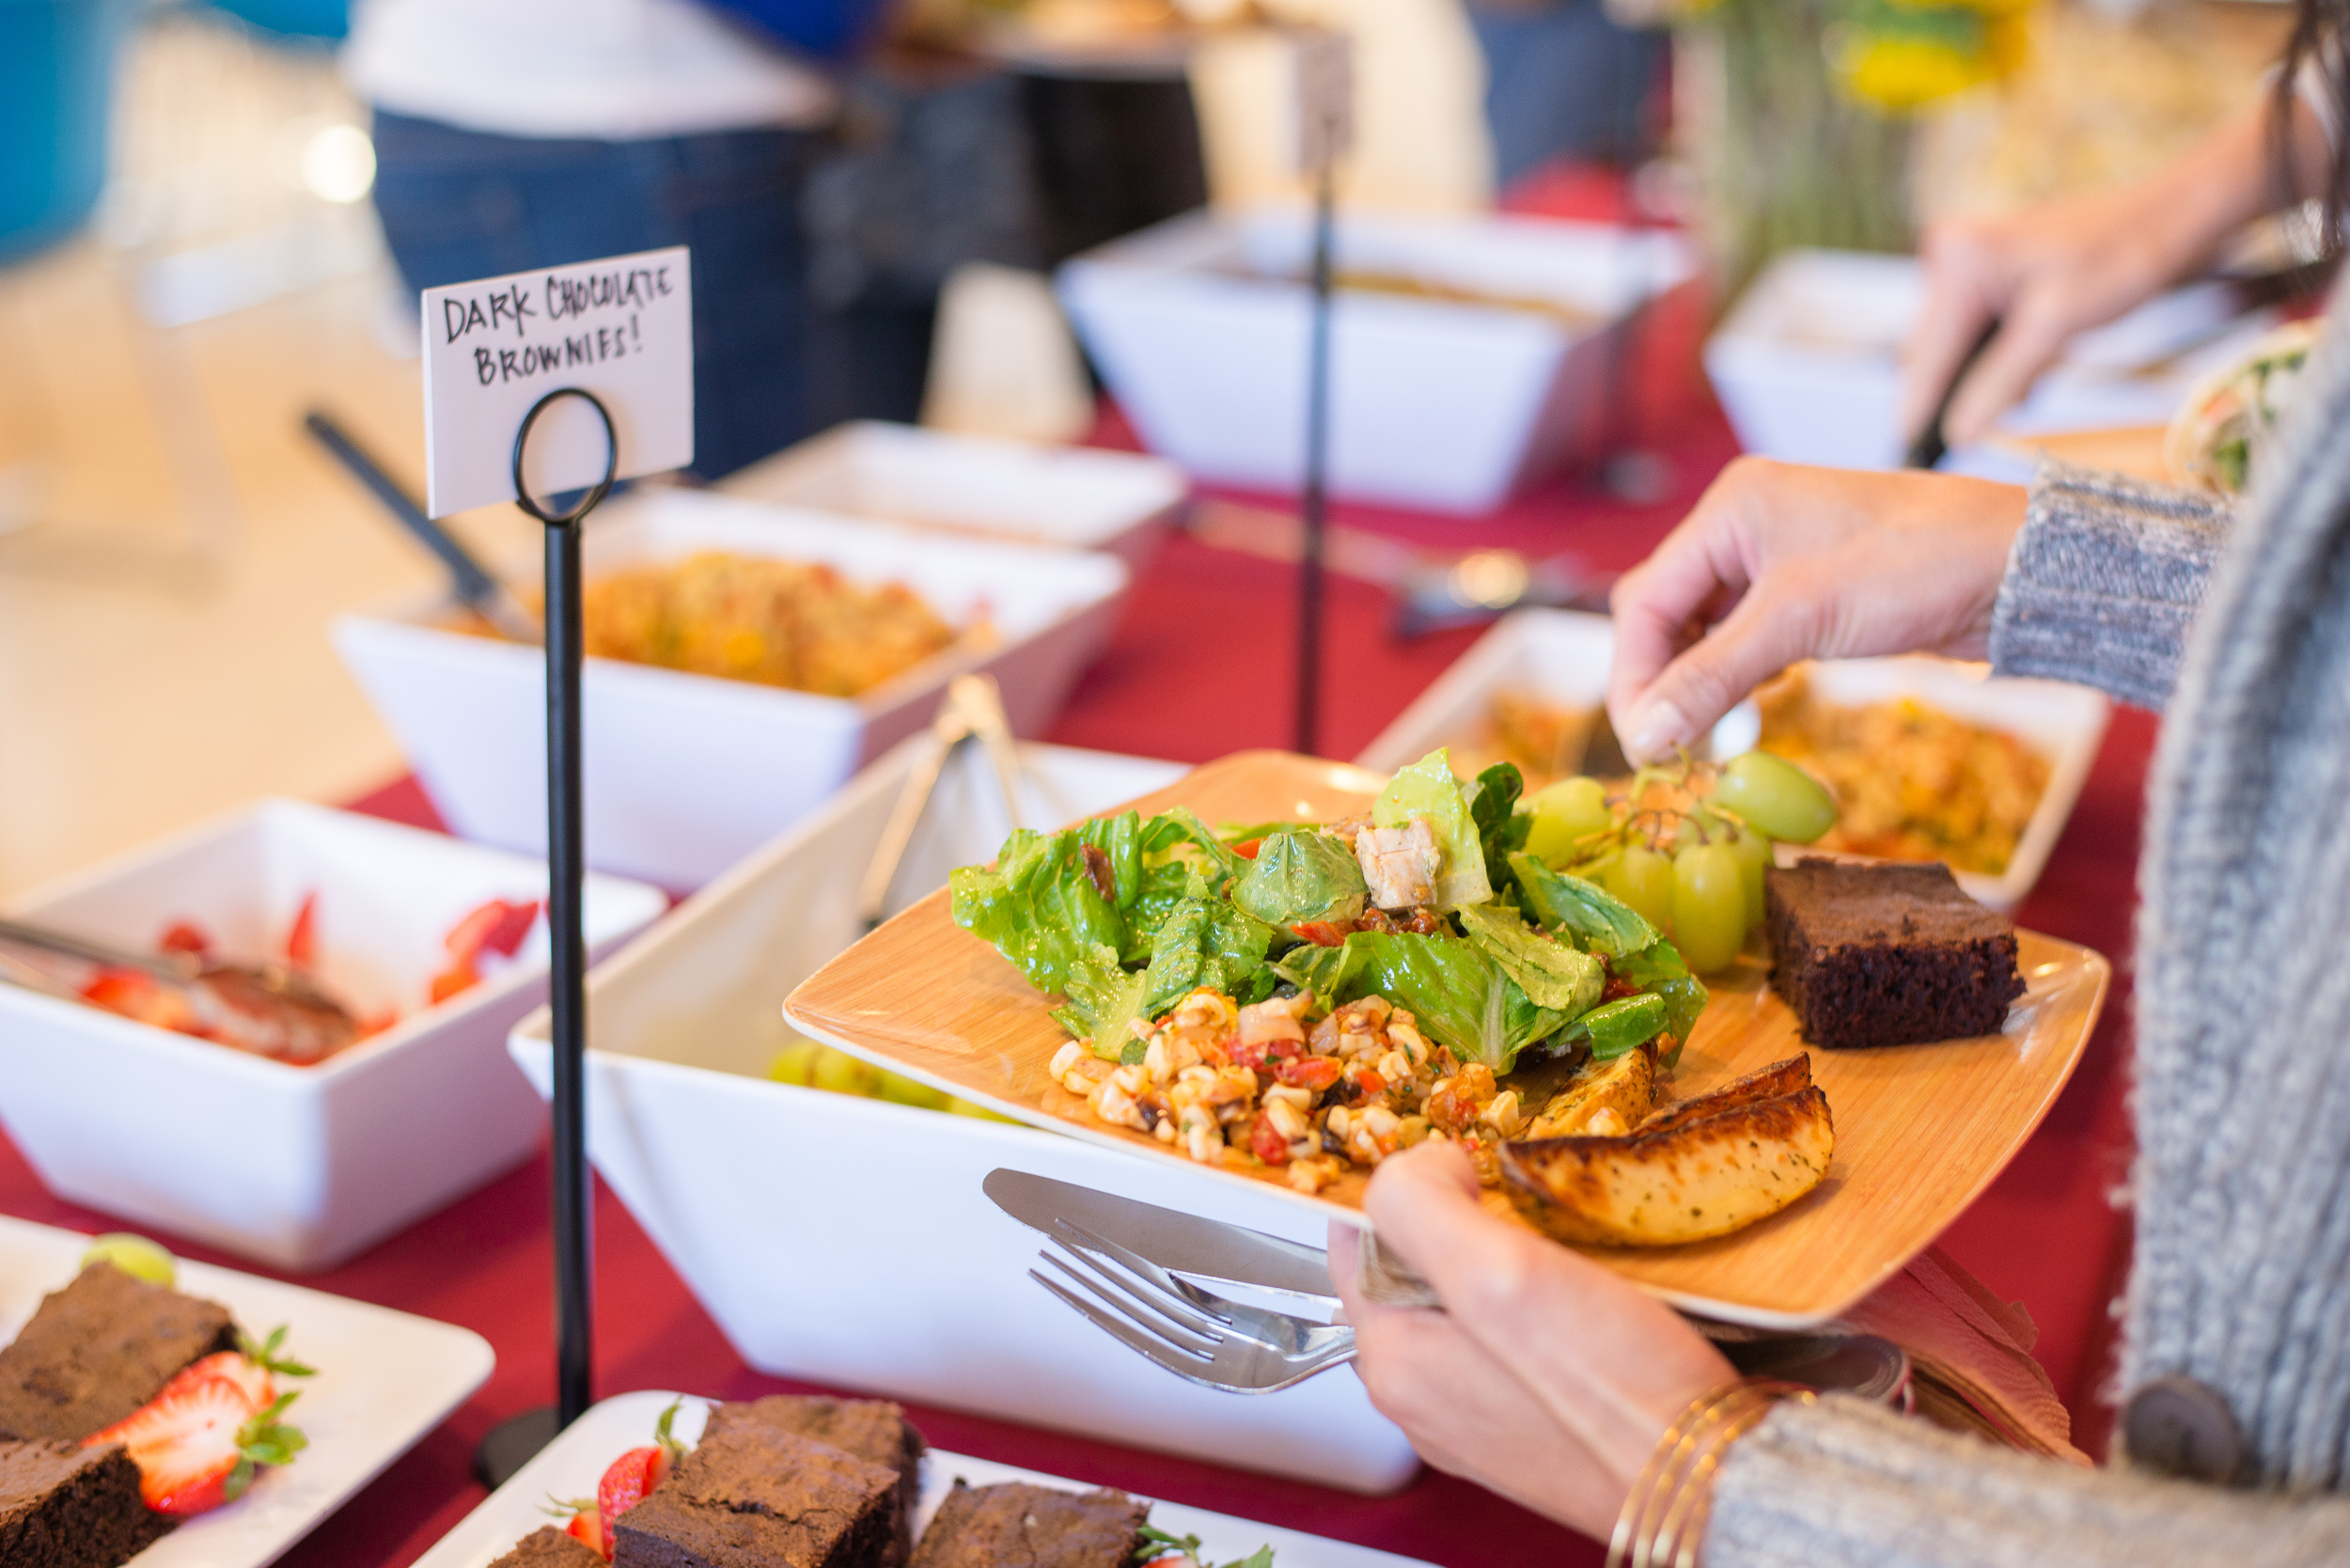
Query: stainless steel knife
(1207, 1250)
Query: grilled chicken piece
(1400, 862)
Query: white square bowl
(1807, 364)
(1076, 497)
(1564, 656)
(298, 1168)
(1200, 329)
(847, 1241)
(687, 774)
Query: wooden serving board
(1920, 1130)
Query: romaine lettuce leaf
(1105, 999)
(1205, 942)
(1599, 920)
(1169, 831)
(1461, 996)
(1301, 876)
(1120, 839)
(1427, 789)
(1620, 1025)
(1493, 805)
(1039, 905)
(1553, 973)
(1658, 969)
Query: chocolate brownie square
(1036, 1526)
(757, 1495)
(1887, 955)
(549, 1547)
(97, 1350)
(875, 1430)
(63, 1506)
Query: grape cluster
(1684, 844)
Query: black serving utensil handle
(1930, 446)
(469, 578)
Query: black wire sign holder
(1314, 498)
(511, 1443)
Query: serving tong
(973, 710)
(269, 1008)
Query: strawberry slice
(253, 1367)
(184, 936)
(198, 1443)
(583, 1523)
(628, 1479)
(301, 937)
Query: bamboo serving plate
(1920, 1130)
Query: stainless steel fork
(1191, 1332)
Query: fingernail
(1659, 730)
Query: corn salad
(1275, 1086)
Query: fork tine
(1168, 1284)
(1178, 1361)
(1140, 1313)
(1149, 1292)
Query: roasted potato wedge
(1780, 1077)
(1686, 1182)
(1625, 1089)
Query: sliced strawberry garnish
(184, 936)
(584, 1523)
(301, 937)
(198, 1443)
(628, 1479)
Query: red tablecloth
(1201, 667)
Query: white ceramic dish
(1564, 656)
(385, 1379)
(298, 1168)
(1199, 328)
(1807, 364)
(846, 1241)
(571, 1465)
(1074, 496)
(687, 774)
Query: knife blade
(1205, 1250)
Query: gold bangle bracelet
(1665, 1514)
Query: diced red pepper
(185, 936)
(301, 937)
(1321, 934)
(1250, 1056)
(1249, 851)
(1371, 1083)
(1266, 1142)
(1617, 988)
(1315, 1073)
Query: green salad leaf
(1553, 973)
(1599, 920)
(1324, 971)
(1207, 942)
(1659, 970)
(1105, 999)
(1620, 1025)
(1301, 876)
(1493, 806)
(1462, 998)
(1040, 905)
(1427, 789)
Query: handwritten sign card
(621, 328)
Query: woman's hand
(2050, 271)
(1778, 564)
(1545, 1378)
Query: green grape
(1754, 856)
(1569, 811)
(135, 1255)
(1697, 826)
(1777, 797)
(1642, 878)
(796, 1064)
(1709, 905)
(900, 1090)
(843, 1073)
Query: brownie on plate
(97, 1350)
(756, 1493)
(549, 1547)
(1038, 1527)
(874, 1429)
(62, 1505)
(1887, 955)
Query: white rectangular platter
(571, 1465)
(385, 1379)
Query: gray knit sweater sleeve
(2104, 580)
(1845, 1484)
